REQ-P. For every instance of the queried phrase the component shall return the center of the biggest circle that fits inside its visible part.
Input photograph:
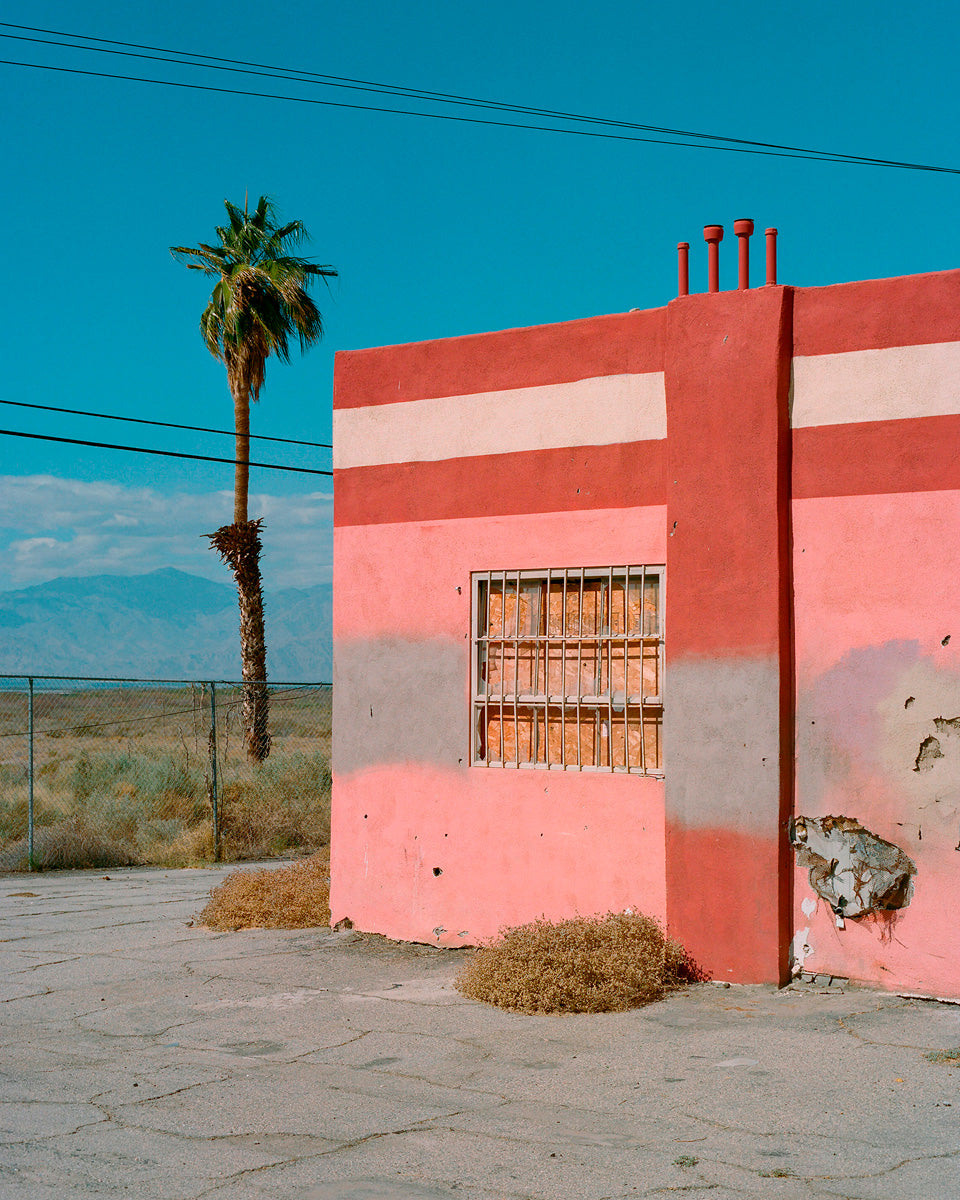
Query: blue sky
(437, 228)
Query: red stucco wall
(424, 846)
(876, 517)
(793, 457)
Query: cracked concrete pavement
(145, 1056)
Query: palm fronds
(261, 301)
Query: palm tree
(259, 304)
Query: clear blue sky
(437, 228)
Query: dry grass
(279, 805)
(68, 844)
(950, 1056)
(584, 965)
(121, 775)
(294, 897)
(120, 808)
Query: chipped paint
(854, 870)
(800, 949)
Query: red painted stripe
(734, 930)
(495, 485)
(621, 344)
(877, 457)
(911, 310)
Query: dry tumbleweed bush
(585, 965)
(294, 897)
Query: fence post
(30, 862)
(214, 797)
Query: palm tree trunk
(239, 546)
(241, 472)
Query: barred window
(568, 669)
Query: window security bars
(568, 669)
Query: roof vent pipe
(771, 256)
(743, 228)
(713, 236)
(683, 268)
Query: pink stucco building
(625, 608)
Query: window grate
(568, 669)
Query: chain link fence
(118, 772)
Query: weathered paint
(827, 664)
(722, 704)
(587, 412)
(621, 344)
(876, 602)
(891, 384)
(872, 570)
(726, 717)
(510, 844)
(493, 485)
(877, 456)
(853, 870)
(910, 310)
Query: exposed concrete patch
(931, 748)
(860, 727)
(928, 753)
(398, 700)
(723, 729)
(854, 870)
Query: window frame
(537, 702)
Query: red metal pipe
(771, 256)
(683, 268)
(743, 228)
(713, 236)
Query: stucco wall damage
(854, 870)
(931, 748)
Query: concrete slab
(141, 1054)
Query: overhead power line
(704, 141)
(48, 437)
(301, 75)
(79, 412)
(806, 156)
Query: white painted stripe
(602, 411)
(876, 385)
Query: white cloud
(52, 526)
(33, 545)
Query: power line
(301, 75)
(79, 412)
(742, 146)
(617, 137)
(47, 437)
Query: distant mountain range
(163, 625)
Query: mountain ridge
(164, 623)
